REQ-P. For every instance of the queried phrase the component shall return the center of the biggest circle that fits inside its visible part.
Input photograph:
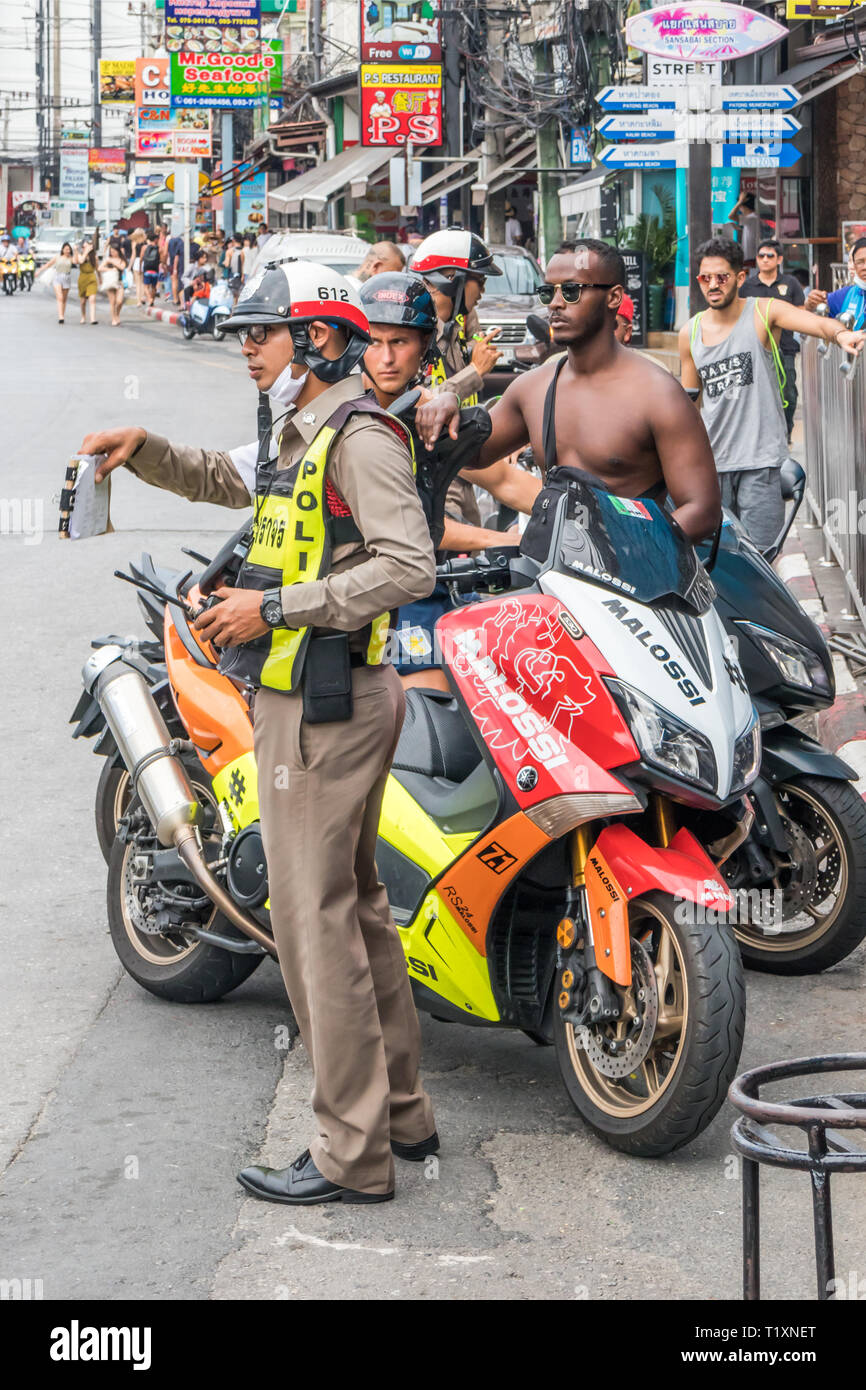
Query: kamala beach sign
(702, 33)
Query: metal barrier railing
(834, 415)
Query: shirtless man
(617, 416)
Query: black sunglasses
(571, 291)
(257, 331)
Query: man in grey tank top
(730, 359)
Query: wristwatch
(271, 608)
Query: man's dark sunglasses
(571, 291)
(257, 331)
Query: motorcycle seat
(435, 740)
(440, 766)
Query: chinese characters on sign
(400, 104)
(399, 33)
(213, 26)
(224, 79)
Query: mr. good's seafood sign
(224, 79)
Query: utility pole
(547, 153)
(40, 88)
(493, 148)
(453, 104)
(96, 31)
(316, 38)
(58, 102)
(699, 213)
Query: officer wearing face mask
(339, 540)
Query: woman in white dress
(62, 265)
(111, 267)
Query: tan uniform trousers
(320, 792)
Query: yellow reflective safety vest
(298, 521)
(439, 372)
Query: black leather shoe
(416, 1152)
(301, 1184)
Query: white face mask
(287, 388)
(861, 284)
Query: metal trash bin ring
(829, 1152)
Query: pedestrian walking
(88, 280)
(138, 239)
(307, 624)
(62, 265)
(175, 250)
(745, 217)
(770, 282)
(251, 255)
(234, 262)
(150, 266)
(111, 268)
(731, 361)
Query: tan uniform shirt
(370, 469)
(464, 380)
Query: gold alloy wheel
(156, 948)
(636, 1092)
(819, 855)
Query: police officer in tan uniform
(455, 264)
(339, 521)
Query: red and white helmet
(454, 249)
(295, 293)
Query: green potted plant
(657, 238)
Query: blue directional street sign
(655, 125)
(668, 155)
(636, 98)
(778, 154)
(759, 98)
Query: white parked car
(48, 240)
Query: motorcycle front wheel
(187, 330)
(812, 914)
(654, 1079)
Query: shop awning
(155, 198)
(584, 195)
(520, 155)
(349, 169)
(451, 175)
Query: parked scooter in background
(9, 274)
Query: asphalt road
(123, 1120)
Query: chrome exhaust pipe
(157, 774)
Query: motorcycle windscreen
(629, 545)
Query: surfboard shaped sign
(701, 33)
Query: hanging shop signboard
(400, 33)
(116, 81)
(163, 133)
(702, 32)
(74, 174)
(400, 104)
(151, 82)
(224, 80)
(107, 159)
(213, 26)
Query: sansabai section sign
(224, 79)
(401, 103)
(701, 32)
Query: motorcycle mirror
(538, 327)
(405, 403)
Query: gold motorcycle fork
(664, 818)
(581, 842)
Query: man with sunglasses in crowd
(732, 365)
(769, 281)
(614, 415)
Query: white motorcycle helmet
(297, 293)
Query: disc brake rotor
(632, 1048)
(800, 871)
